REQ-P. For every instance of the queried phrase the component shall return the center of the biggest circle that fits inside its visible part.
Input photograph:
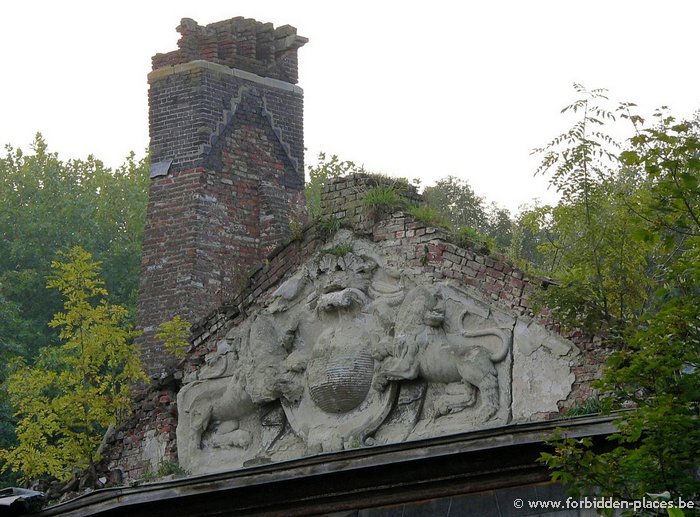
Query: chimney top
(241, 43)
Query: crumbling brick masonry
(227, 167)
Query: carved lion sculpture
(422, 349)
(262, 376)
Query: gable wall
(411, 243)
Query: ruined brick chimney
(227, 167)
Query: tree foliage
(624, 242)
(458, 203)
(14, 334)
(73, 392)
(455, 200)
(175, 334)
(48, 205)
(526, 239)
(591, 246)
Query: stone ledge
(463, 463)
(199, 64)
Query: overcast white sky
(415, 89)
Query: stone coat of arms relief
(355, 351)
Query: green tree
(48, 205)
(455, 199)
(499, 225)
(656, 370)
(175, 334)
(526, 237)
(73, 392)
(668, 156)
(647, 202)
(590, 241)
(14, 333)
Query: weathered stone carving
(352, 352)
(424, 350)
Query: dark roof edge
(510, 436)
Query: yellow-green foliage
(175, 334)
(75, 390)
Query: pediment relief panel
(352, 352)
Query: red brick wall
(227, 168)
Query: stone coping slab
(166, 71)
(371, 476)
